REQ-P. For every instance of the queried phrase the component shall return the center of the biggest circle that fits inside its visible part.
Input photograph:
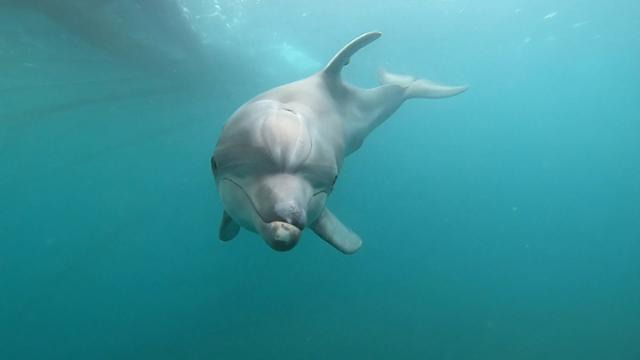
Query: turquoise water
(503, 223)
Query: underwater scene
(488, 208)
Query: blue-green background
(503, 223)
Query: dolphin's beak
(281, 236)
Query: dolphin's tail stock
(419, 88)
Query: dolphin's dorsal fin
(341, 59)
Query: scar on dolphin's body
(279, 155)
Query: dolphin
(279, 155)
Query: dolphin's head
(273, 177)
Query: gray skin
(280, 154)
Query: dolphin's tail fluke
(419, 88)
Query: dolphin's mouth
(255, 208)
(297, 221)
(279, 235)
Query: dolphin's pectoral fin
(228, 228)
(331, 230)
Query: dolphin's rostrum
(280, 154)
